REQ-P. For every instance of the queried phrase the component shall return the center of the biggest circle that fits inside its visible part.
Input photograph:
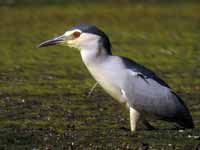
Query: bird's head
(82, 37)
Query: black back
(146, 72)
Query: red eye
(76, 34)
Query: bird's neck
(94, 56)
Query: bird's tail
(186, 123)
(184, 118)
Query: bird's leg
(148, 125)
(134, 117)
(92, 89)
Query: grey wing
(148, 94)
(151, 98)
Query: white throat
(93, 55)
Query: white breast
(109, 82)
(104, 73)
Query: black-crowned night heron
(145, 94)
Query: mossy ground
(43, 92)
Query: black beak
(53, 41)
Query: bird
(144, 93)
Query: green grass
(43, 96)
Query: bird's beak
(54, 41)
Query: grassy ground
(43, 92)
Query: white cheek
(73, 43)
(87, 37)
(88, 41)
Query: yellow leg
(134, 117)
